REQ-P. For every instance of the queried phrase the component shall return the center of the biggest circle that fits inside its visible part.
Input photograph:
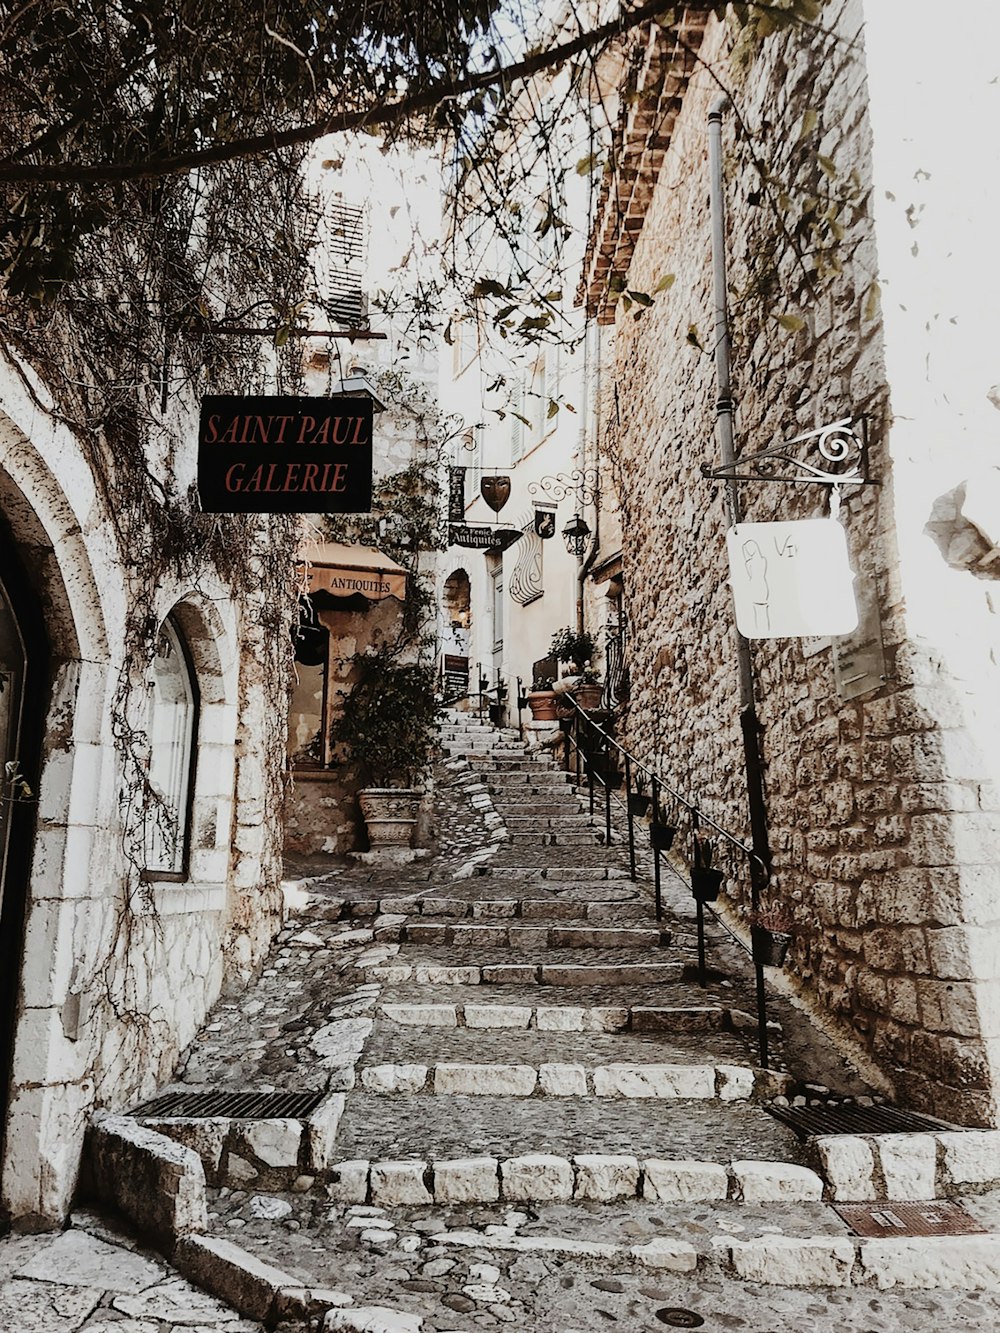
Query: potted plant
(542, 699)
(638, 800)
(706, 881)
(770, 935)
(389, 724)
(573, 648)
(589, 691)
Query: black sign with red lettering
(285, 455)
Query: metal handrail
(701, 859)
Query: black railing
(716, 855)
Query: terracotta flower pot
(543, 705)
(589, 696)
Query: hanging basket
(706, 883)
(661, 836)
(769, 946)
(638, 804)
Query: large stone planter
(390, 815)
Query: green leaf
(641, 298)
(553, 409)
(489, 287)
(666, 282)
(791, 322)
(587, 164)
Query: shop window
(172, 727)
(308, 733)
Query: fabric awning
(344, 571)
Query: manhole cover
(230, 1105)
(853, 1119)
(678, 1318)
(909, 1219)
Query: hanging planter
(706, 883)
(661, 836)
(769, 946)
(638, 804)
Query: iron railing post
(607, 792)
(699, 905)
(631, 823)
(656, 849)
(761, 1014)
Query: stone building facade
(856, 218)
(124, 913)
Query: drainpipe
(595, 541)
(749, 723)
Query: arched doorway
(23, 683)
(457, 611)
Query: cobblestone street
(541, 1121)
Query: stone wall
(881, 807)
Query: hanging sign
(495, 491)
(791, 579)
(285, 455)
(545, 520)
(456, 494)
(482, 539)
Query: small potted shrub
(389, 725)
(638, 801)
(771, 931)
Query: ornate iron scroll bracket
(584, 483)
(842, 447)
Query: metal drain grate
(853, 1119)
(230, 1105)
(941, 1218)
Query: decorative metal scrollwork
(842, 445)
(585, 483)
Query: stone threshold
(525, 937)
(722, 1082)
(589, 1177)
(559, 1018)
(905, 1167)
(522, 974)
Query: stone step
(557, 838)
(561, 1018)
(580, 935)
(593, 1177)
(374, 1126)
(427, 972)
(512, 810)
(557, 874)
(621, 1080)
(490, 909)
(565, 820)
(540, 778)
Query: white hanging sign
(792, 579)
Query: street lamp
(575, 535)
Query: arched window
(173, 721)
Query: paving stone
(394, 1078)
(557, 1080)
(908, 1163)
(485, 1080)
(349, 1182)
(763, 1182)
(76, 1259)
(793, 1262)
(971, 1157)
(970, 1262)
(662, 1081)
(473, 1179)
(848, 1164)
(496, 1016)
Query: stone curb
(969, 1263)
(522, 974)
(596, 1177)
(557, 1018)
(909, 1166)
(482, 909)
(724, 1082)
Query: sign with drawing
(791, 579)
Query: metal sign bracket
(842, 447)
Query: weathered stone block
(399, 1182)
(321, 1131)
(683, 1181)
(848, 1164)
(734, 1083)
(467, 1180)
(971, 1157)
(156, 1183)
(767, 1182)
(562, 1080)
(245, 1282)
(394, 1078)
(654, 1081)
(559, 1018)
(790, 1262)
(605, 1177)
(485, 1080)
(420, 1015)
(908, 1163)
(964, 1262)
(349, 1182)
(273, 1142)
(497, 1016)
(536, 1178)
(675, 1256)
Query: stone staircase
(524, 1084)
